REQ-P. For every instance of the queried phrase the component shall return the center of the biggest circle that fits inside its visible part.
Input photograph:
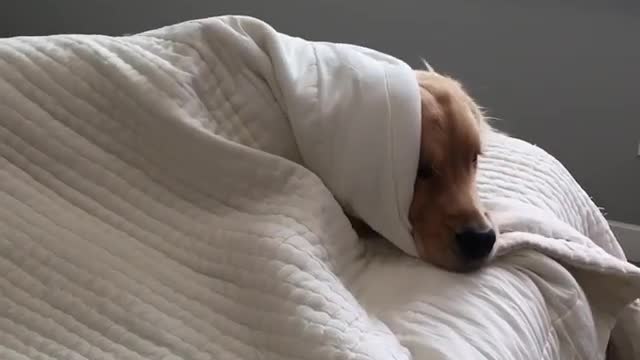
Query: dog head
(450, 227)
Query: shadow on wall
(563, 74)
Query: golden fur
(445, 199)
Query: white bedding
(152, 205)
(525, 305)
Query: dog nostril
(475, 245)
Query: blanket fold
(354, 113)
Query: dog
(449, 225)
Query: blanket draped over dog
(180, 194)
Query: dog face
(450, 227)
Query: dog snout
(475, 243)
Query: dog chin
(455, 264)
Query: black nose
(475, 245)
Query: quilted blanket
(182, 194)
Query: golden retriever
(450, 227)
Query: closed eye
(475, 161)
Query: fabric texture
(181, 194)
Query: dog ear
(426, 65)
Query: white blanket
(156, 201)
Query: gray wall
(564, 74)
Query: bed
(524, 306)
(183, 194)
